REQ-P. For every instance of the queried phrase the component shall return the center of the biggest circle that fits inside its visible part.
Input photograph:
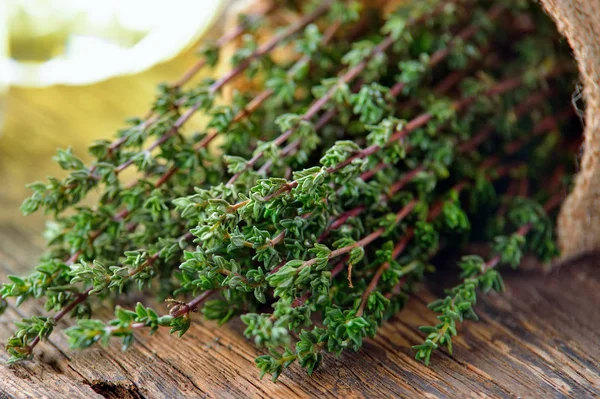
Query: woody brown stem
(317, 105)
(228, 77)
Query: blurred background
(72, 70)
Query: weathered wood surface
(540, 339)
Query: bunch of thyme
(339, 173)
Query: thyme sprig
(315, 198)
(478, 274)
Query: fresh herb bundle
(319, 194)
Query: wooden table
(539, 339)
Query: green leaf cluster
(319, 191)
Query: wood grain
(539, 339)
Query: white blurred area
(85, 41)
